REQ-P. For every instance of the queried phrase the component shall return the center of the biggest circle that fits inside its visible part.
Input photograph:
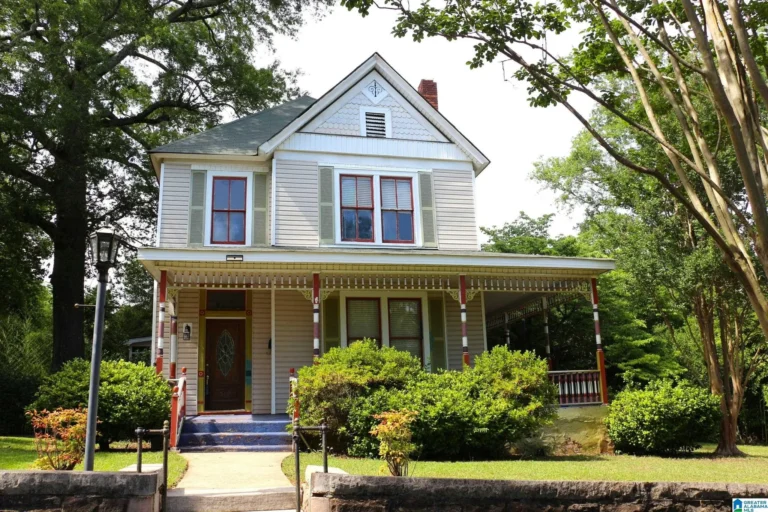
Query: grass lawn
(699, 467)
(19, 453)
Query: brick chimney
(428, 90)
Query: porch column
(463, 306)
(161, 321)
(174, 345)
(316, 314)
(506, 331)
(600, 353)
(546, 332)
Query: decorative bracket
(307, 293)
(470, 294)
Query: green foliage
(25, 358)
(130, 396)
(59, 438)
(663, 419)
(330, 389)
(460, 414)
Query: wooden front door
(225, 365)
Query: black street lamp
(104, 245)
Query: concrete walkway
(233, 470)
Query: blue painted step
(236, 438)
(236, 433)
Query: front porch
(240, 325)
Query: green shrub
(130, 395)
(476, 412)
(330, 388)
(662, 419)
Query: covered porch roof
(511, 282)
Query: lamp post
(104, 245)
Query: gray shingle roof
(243, 136)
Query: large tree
(86, 87)
(693, 84)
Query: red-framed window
(357, 208)
(405, 326)
(363, 319)
(397, 210)
(228, 211)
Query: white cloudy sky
(492, 113)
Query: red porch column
(600, 353)
(463, 305)
(546, 332)
(161, 321)
(316, 314)
(174, 346)
(506, 331)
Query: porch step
(237, 448)
(234, 500)
(235, 433)
(235, 438)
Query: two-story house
(323, 221)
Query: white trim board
(360, 256)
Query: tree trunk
(726, 447)
(67, 279)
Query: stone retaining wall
(78, 491)
(349, 493)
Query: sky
(493, 113)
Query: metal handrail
(141, 433)
(297, 429)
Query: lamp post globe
(104, 245)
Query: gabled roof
(243, 136)
(261, 133)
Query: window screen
(363, 320)
(397, 210)
(357, 208)
(228, 215)
(405, 325)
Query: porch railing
(178, 408)
(577, 387)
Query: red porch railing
(178, 408)
(577, 387)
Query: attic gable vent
(375, 124)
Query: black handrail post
(166, 437)
(140, 438)
(297, 466)
(323, 430)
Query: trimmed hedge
(130, 395)
(662, 419)
(477, 412)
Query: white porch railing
(577, 387)
(178, 408)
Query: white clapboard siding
(261, 358)
(293, 340)
(188, 312)
(475, 334)
(174, 221)
(269, 207)
(455, 208)
(296, 204)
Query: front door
(225, 365)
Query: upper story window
(228, 210)
(397, 210)
(357, 208)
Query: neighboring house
(323, 221)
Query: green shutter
(259, 234)
(327, 220)
(331, 323)
(437, 334)
(428, 226)
(197, 209)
